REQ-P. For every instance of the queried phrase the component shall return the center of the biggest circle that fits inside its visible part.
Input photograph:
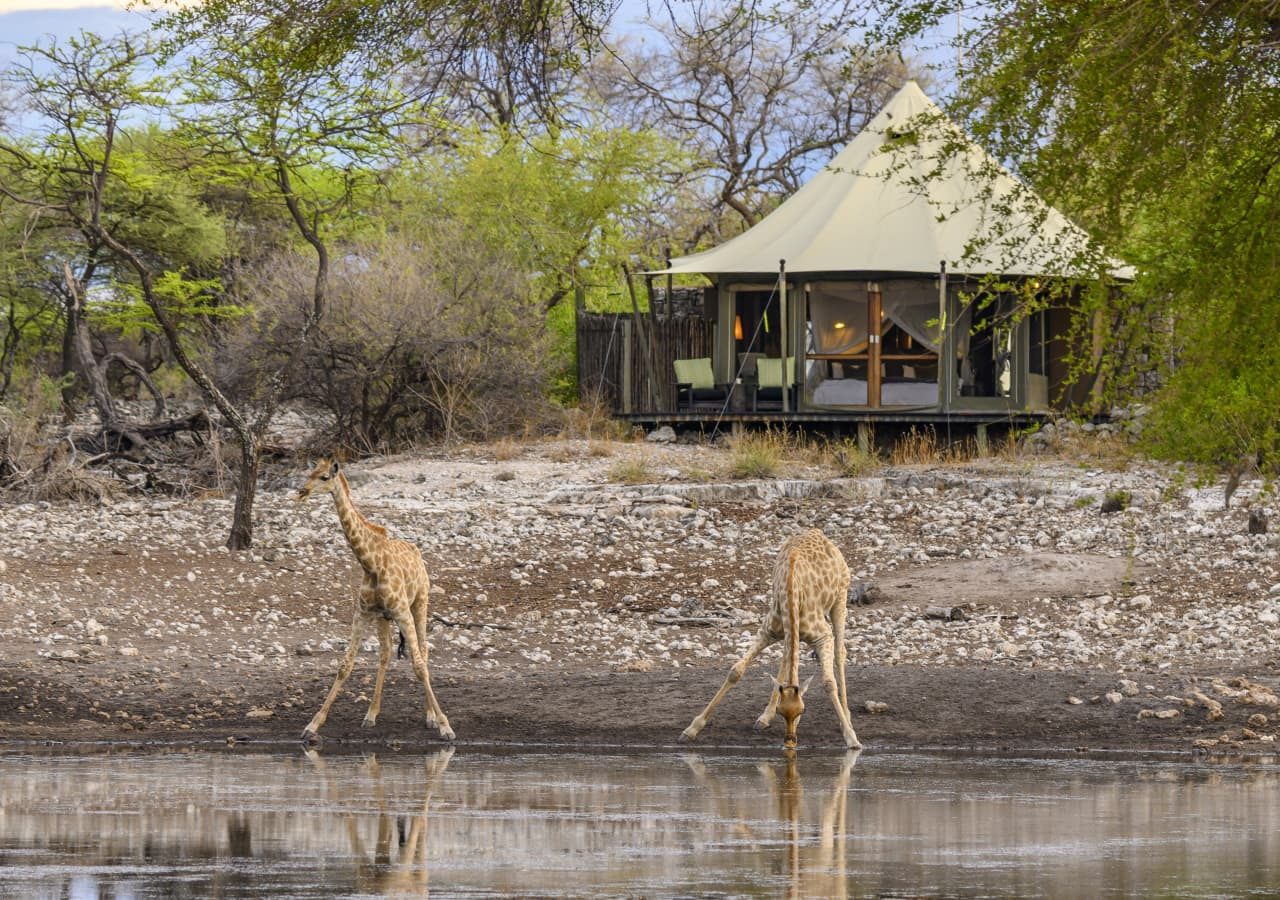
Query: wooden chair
(696, 384)
(769, 373)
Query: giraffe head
(791, 707)
(323, 478)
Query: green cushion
(769, 372)
(696, 372)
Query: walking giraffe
(807, 603)
(395, 589)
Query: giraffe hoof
(447, 733)
(310, 739)
(686, 737)
(369, 721)
(760, 725)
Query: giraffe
(807, 603)
(395, 589)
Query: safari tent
(893, 285)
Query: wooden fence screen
(627, 359)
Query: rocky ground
(1007, 608)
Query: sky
(25, 22)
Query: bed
(893, 392)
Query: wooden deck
(869, 425)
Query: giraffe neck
(793, 622)
(361, 534)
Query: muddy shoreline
(579, 611)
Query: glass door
(873, 344)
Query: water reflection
(386, 873)
(814, 866)
(240, 825)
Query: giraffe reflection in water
(815, 849)
(404, 872)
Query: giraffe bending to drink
(807, 603)
(395, 589)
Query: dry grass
(600, 449)
(35, 463)
(507, 449)
(563, 453)
(849, 459)
(916, 448)
(592, 418)
(760, 454)
(921, 447)
(636, 470)
(1110, 452)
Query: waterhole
(472, 823)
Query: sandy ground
(580, 611)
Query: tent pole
(783, 333)
(946, 353)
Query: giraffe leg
(825, 653)
(384, 659)
(763, 639)
(420, 614)
(837, 628)
(359, 625)
(422, 619)
(435, 714)
(771, 710)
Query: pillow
(695, 372)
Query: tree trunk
(116, 435)
(68, 364)
(246, 487)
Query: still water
(475, 823)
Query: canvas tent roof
(894, 200)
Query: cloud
(13, 6)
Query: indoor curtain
(837, 317)
(913, 306)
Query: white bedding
(853, 392)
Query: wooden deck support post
(984, 445)
(866, 437)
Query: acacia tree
(430, 331)
(103, 217)
(1154, 125)
(511, 54)
(760, 93)
(309, 139)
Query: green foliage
(190, 301)
(1153, 124)
(555, 206)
